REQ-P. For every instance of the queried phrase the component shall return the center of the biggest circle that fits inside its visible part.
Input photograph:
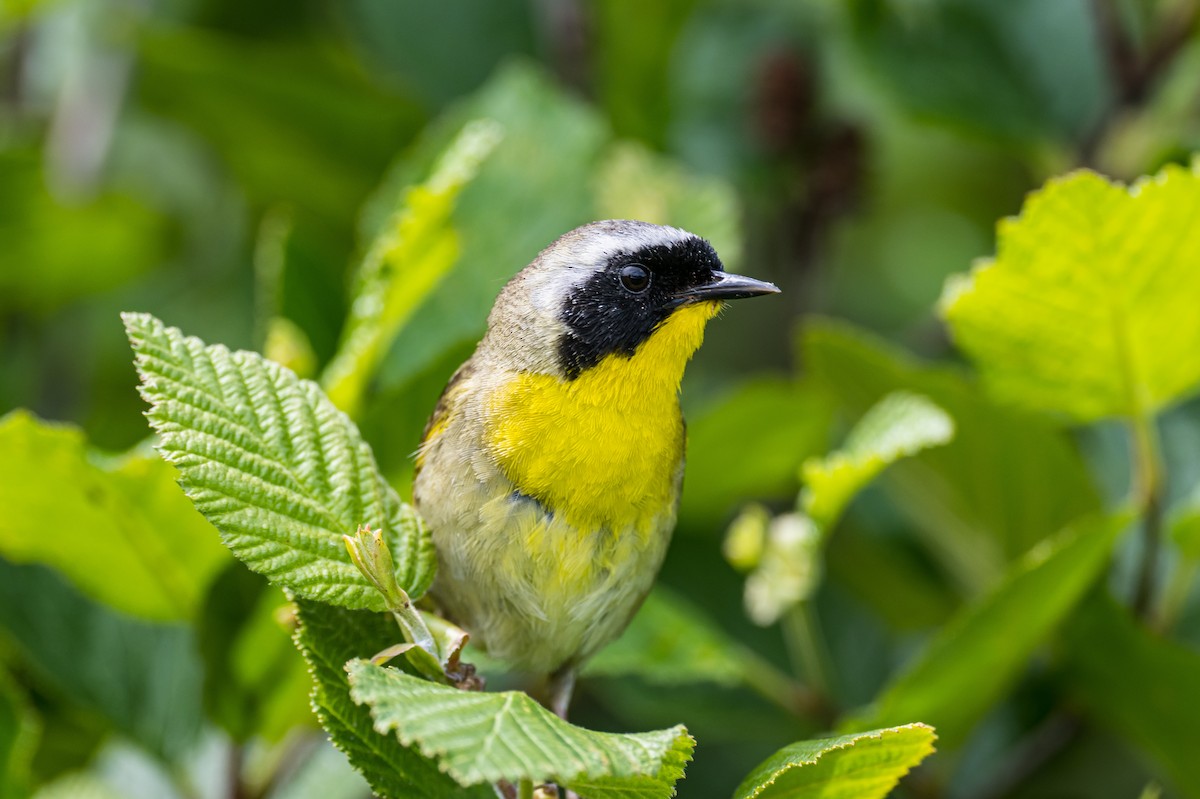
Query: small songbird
(550, 471)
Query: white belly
(534, 591)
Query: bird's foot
(466, 678)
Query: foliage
(279, 471)
(783, 554)
(1106, 651)
(1102, 324)
(330, 637)
(487, 737)
(1008, 479)
(18, 737)
(149, 688)
(274, 466)
(404, 265)
(865, 765)
(955, 497)
(900, 425)
(978, 654)
(93, 519)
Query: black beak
(726, 287)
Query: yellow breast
(602, 450)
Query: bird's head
(607, 289)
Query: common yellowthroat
(549, 473)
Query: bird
(549, 472)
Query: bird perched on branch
(549, 473)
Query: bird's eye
(635, 278)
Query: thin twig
(237, 756)
(809, 654)
(780, 689)
(806, 645)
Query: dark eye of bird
(635, 277)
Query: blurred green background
(225, 166)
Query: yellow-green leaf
(901, 424)
(405, 263)
(119, 529)
(1089, 307)
(1008, 479)
(865, 765)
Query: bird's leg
(559, 689)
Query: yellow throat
(601, 450)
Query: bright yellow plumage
(550, 472)
(603, 449)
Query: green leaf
(294, 119)
(144, 678)
(269, 460)
(484, 737)
(287, 345)
(1007, 480)
(19, 730)
(865, 765)
(746, 538)
(405, 263)
(766, 461)
(551, 144)
(119, 529)
(255, 682)
(888, 574)
(80, 785)
(900, 425)
(1144, 688)
(671, 642)
(1007, 82)
(72, 735)
(973, 660)
(1088, 309)
(790, 565)
(328, 637)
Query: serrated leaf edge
(672, 762)
(879, 735)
